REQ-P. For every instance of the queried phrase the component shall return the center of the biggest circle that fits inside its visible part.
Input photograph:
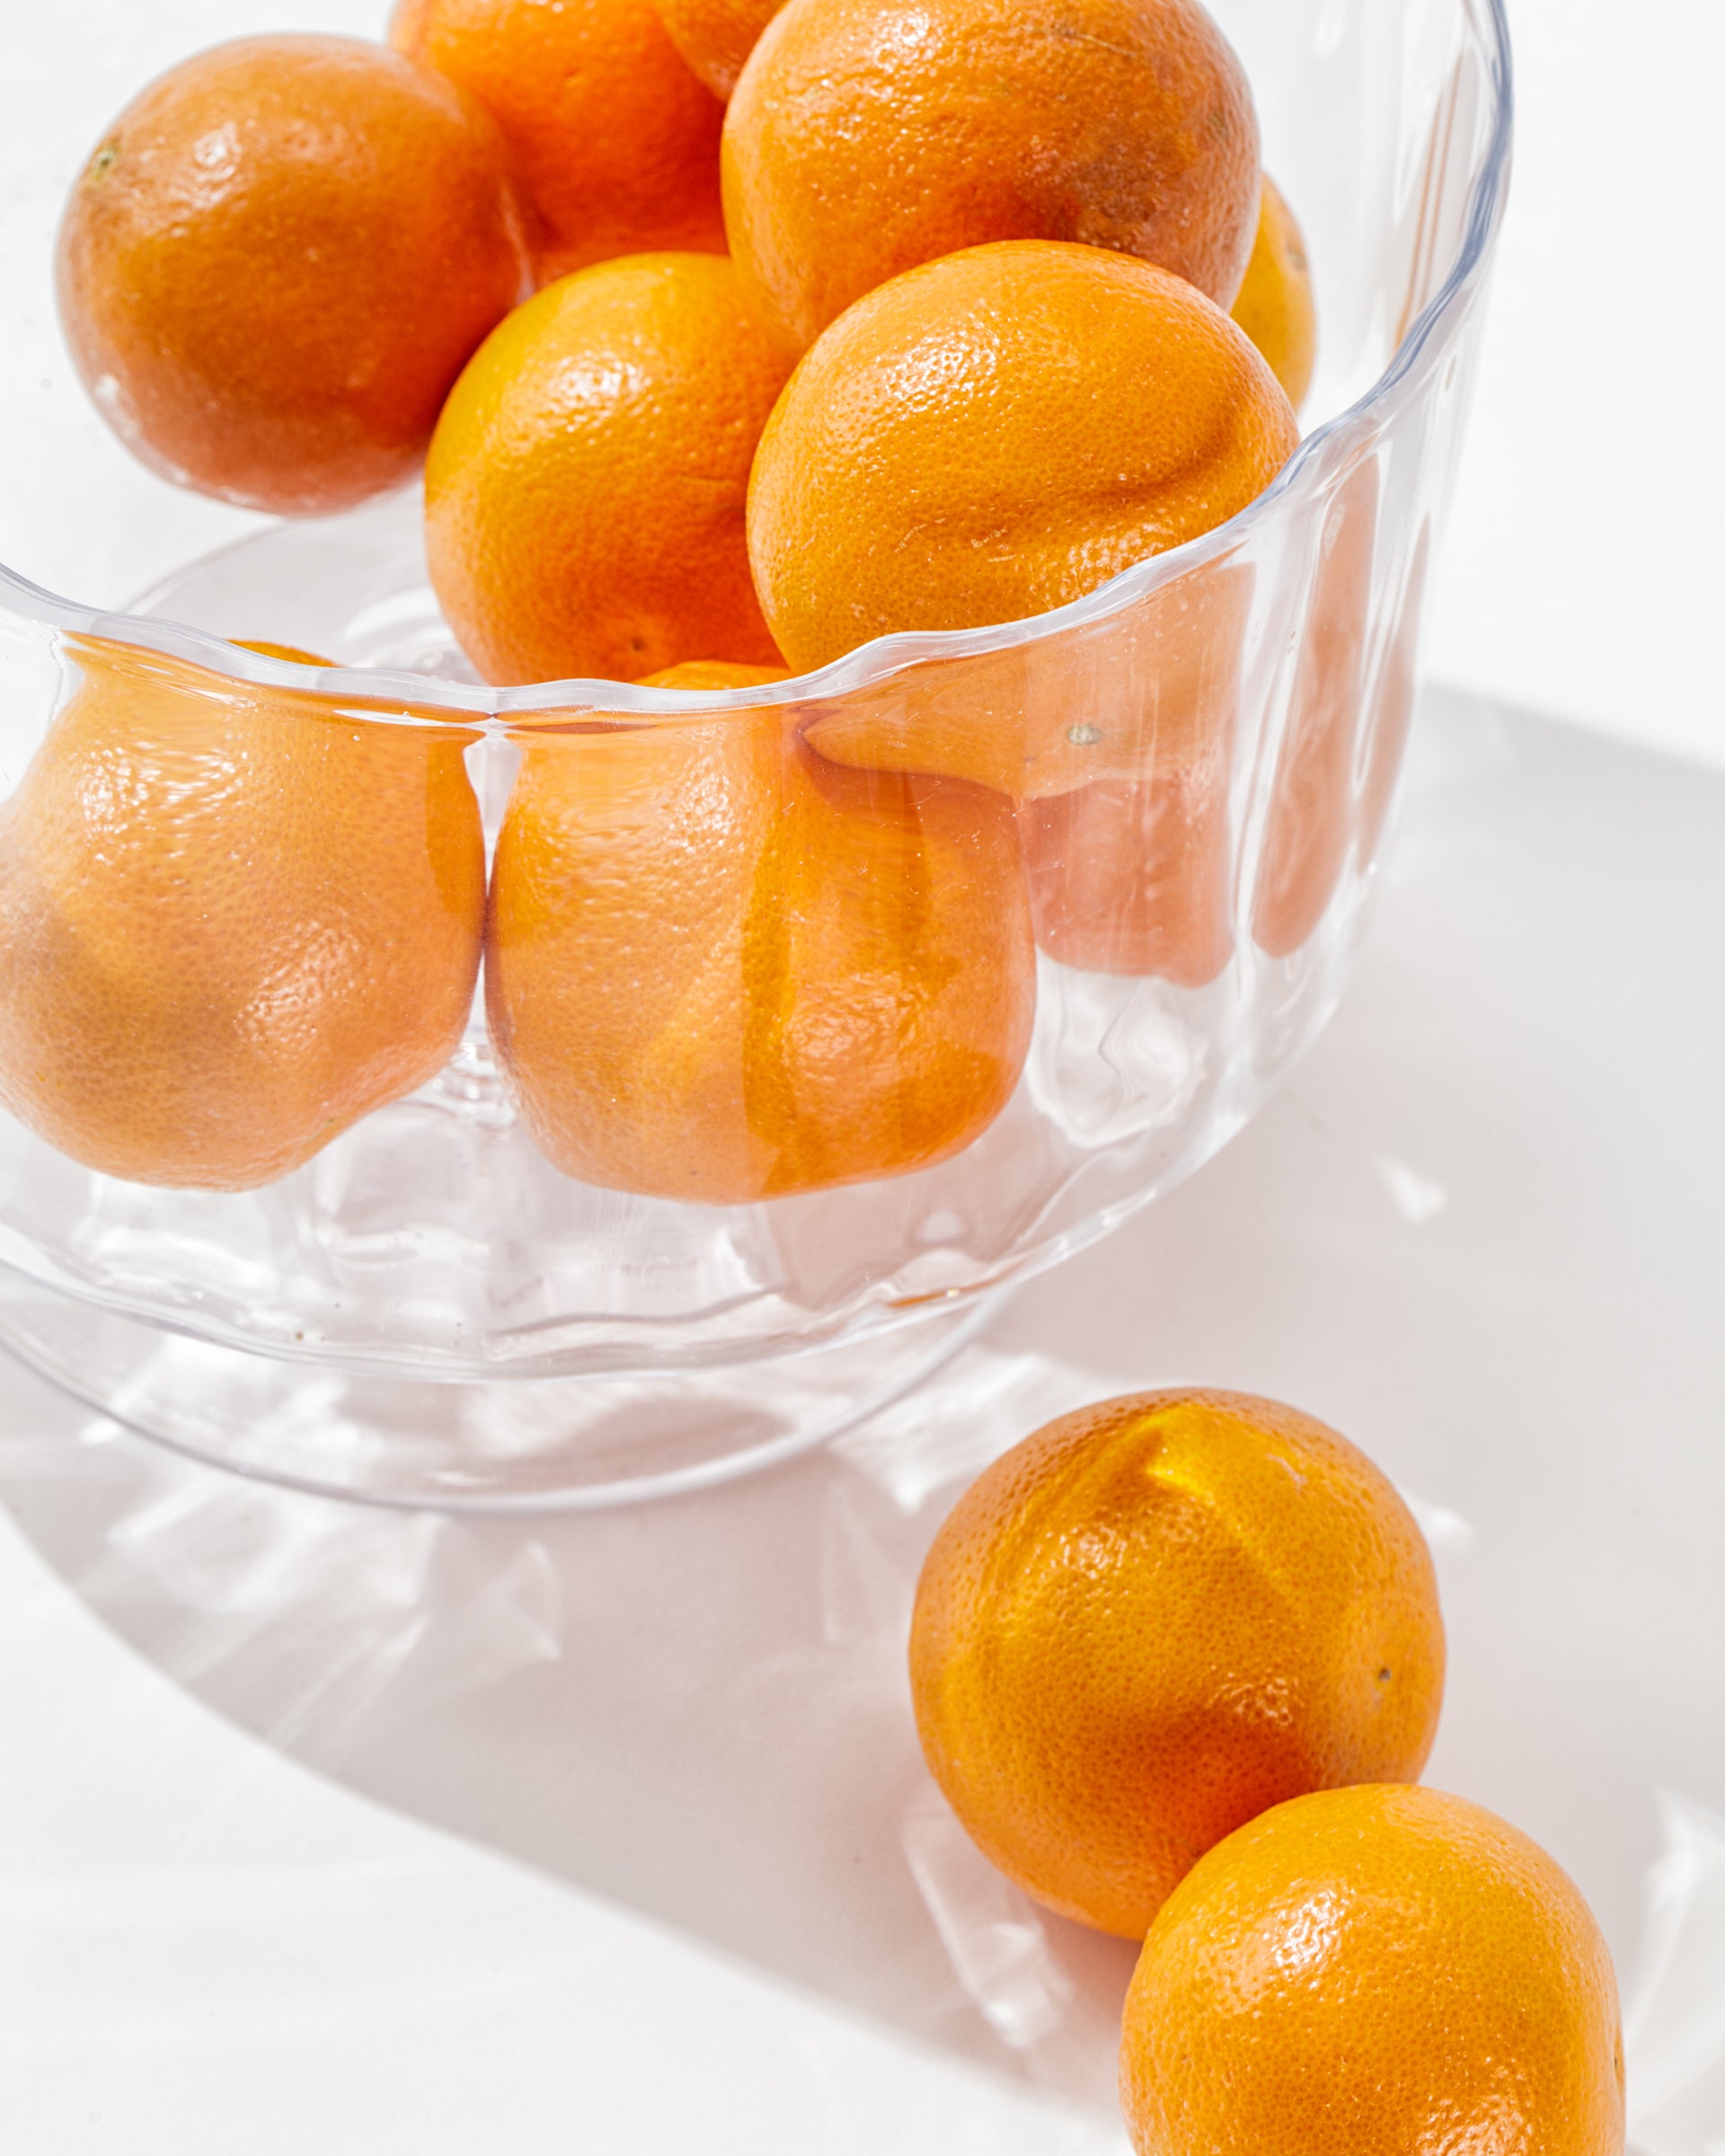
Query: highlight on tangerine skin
(1153, 1620)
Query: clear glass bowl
(828, 1008)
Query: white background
(1584, 572)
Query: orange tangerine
(866, 137)
(1148, 687)
(997, 432)
(716, 37)
(1153, 1620)
(234, 919)
(616, 144)
(1275, 305)
(1373, 1969)
(713, 674)
(277, 261)
(1311, 822)
(584, 491)
(719, 968)
(1131, 876)
(1391, 708)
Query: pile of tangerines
(852, 316)
(277, 267)
(1177, 1661)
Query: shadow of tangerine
(698, 1711)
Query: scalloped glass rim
(887, 655)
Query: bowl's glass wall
(1049, 908)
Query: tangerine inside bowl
(695, 1033)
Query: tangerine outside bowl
(448, 1095)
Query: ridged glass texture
(1139, 857)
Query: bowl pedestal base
(506, 1445)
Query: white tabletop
(328, 1830)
